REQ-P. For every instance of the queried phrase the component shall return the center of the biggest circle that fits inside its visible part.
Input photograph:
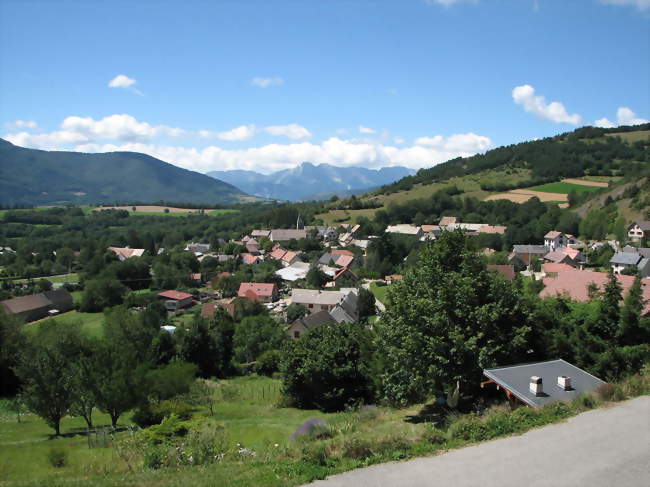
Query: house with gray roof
(624, 260)
(639, 230)
(37, 306)
(541, 383)
(284, 235)
(523, 255)
(309, 322)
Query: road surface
(600, 448)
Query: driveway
(600, 448)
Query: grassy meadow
(256, 439)
(564, 188)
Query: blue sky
(264, 85)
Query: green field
(380, 292)
(631, 137)
(564, 188)
(91, 323)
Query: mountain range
(38, 177)
(309, 181)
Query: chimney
(564, 382)
(536, 385)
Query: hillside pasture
(632, 137)
(91, 323)
(149, 210)
(562, 188)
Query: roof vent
(564, 382)
(536, 385)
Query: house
(337, 259)
(551, 268)
(329, 234)
(405, 229)
(258, 291)
(347, 311)
(289, 257)
(252, 247)
(575, 284)
(306, 323)
(215, 280)
(37, 306)
(249, 259)
(639, 230)
(200, 248)
(260, 234)
(624, 260)
(431, 232)
(294, 272)
(507, 271)
(493, 229)
(124, 253)
(524, 254)
(316, 301)
(344, 273)
(541, 383)
(175, 300)
(285, 235)
(555, 240)
(196, 278)
(559, 257)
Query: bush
(586, 401)
(150, 415)
(356, 448)
(268, 363)
(526, 417)
(433, 436)
(169, 428)
(501, 423)
(316, 453)
(57, 456)
(206, 442)
(606, 392)
(468, 428)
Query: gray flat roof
(625, 258)
(516, 379)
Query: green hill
(37, 177)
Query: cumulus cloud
(292, 131)
(125, 133)
(76, 130)
(524, 95)
(334, 151)
(123, 81)
(21, 125)
(624, 116)
(640, 4)
(366, 130)
(243, 132)
(267, 82)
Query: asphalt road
(600, 448)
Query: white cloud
(524, 95)
(293, 131)
(77, 130)
(334, 151)
(624, 116)
(267, 82)
(21, 124)
(366, 130)
(243, 132)
(640, 4)
(125, 133)
(123, 81)
(605, 123)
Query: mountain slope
(307, 180)
(29, 176)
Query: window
(296, 334)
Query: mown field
(380, 292)
(564, 188)
(91, 323)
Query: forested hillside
(585, 151)
(36, 177)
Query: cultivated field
(563, 188)
(586, 182)
(164, 210)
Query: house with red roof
(175, 300)
(258, 291)
(575, 284)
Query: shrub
(586, 401)
(356, 448)
(170, 427)
(501, 423)
(605, 392)
(150, 415)
(468, 428)
(57, 456)
(433, 436)
(393, 444)
(526, 417)
(268, 362)
(317, 453)
(206, 442)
